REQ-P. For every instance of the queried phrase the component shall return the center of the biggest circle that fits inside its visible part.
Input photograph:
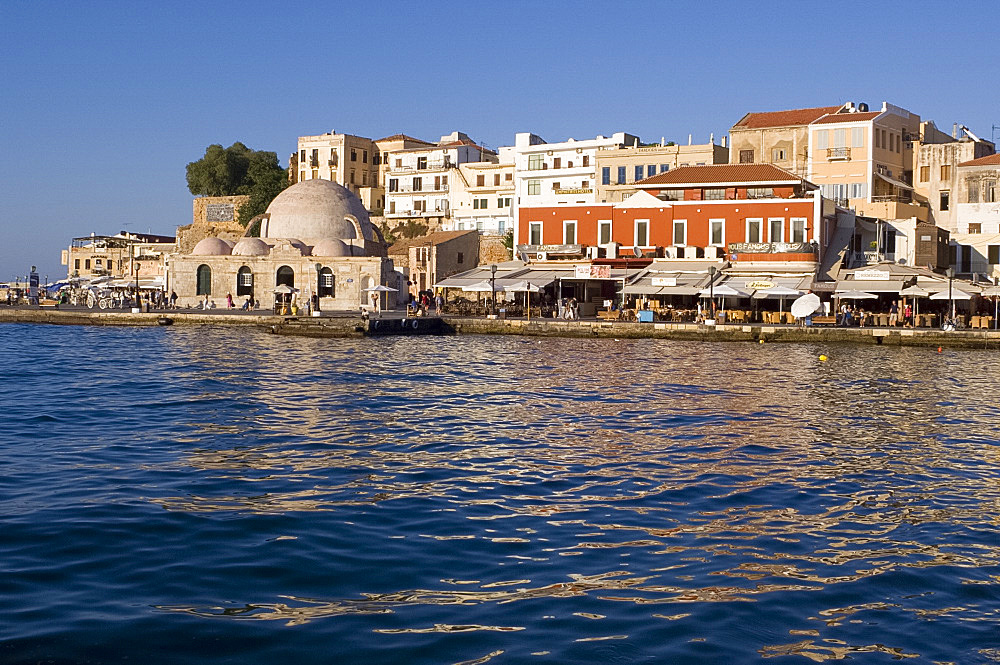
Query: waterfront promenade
(350, 324)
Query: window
(501, 225)
(364, 177)
(858, 137)
(650, 170)
(993, 254)
(586, 160)
(393, 184)
(418, 184)
(354, 155)
(503, 202)
(285, 275)
(315, 173)
(604, 232)
(534, 187)
(569, 233)
(376, 158)
(420, 206)
(479, 204)
(315, 157)
(364, 156)
(680, 232)
(989, 191)
(716, 232)
(392, 207)
(606, 175)
(778, 155)
(776, 229)
(664, 168)
(302, 156)
(534, 233)
(746, 156)
(973, 191)
(508, 177)
(98, 262)
(858, 189)
(840, 138)
(496, 179)
(421, 163)
(641, 232)
(945, 200)
(460, 258)
(352, 176)
(444, 181)
(534, 162)
(399, 163)
(714, 194)
(437, 183)
(326, 284)
(204, 281)
(946, 172)
(621, 175)
(975, 227)
(754, 229)
(557, 162)
(798, 230)
(760, 192)
(822, 139)
(481, 180)
(86, 264)
(76, 264)
(302, 175)
(925, 173)
(638, 173)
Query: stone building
(212, 217)
(429, 259)
(315, 237)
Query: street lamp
(493, 286)
(950, 273)
(711, 290)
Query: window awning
(895, 183)
(871, 286)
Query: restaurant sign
(664, 281)
(760, 284)
(872, 275)
(771, 248)
(551, 249)
(593, 272)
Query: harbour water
(219, 495)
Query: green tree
(238, 170)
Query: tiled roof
(988, 160)
(429, 240)
(721, 174)
(846, 117)
(403, 137)
(783, 118)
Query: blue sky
(104, 103)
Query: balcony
(420, 168)
(426, 188)
(833, 154)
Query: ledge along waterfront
(347, 324)
(221, 495)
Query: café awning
(871, 286)
(895, 183)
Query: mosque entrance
(285, 276)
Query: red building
(739, 212)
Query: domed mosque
(315, 238)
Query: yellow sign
(760, 284)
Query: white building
(419, 179)
(482, 196)
(555, 174)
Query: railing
(426, 188)
(430, 166)
(896, 198)
(838, 153)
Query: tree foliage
(238, 170)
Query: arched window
(204, 281)
(366, 283)
(326, 284)
(285, 276)
(244, 282)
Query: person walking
(229, 301)
(173, 300)
(893, 314)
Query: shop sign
(771, 248)
(664, 281)
(551, 249)
(593, 272)
(872, 275)
(760, 284)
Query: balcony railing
(426, 188)
(838, 153)
(430, 166)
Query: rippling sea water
(219, 495)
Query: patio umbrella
(779, 292)
(284, 289)
(723, 290)
(479, 286)
(528, 288)
(916, 293)
(993, 291)
(380, 289)
(956, 294)
(855, 295)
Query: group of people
(570, 309)
(420, 304)
(857, 316)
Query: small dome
(331, 247)
(251, 247)
(211, 247)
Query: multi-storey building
(428, 259)
(775, 137)
(976, 242)
(937, 174)
(351, 161)
(620, 167)
(482, 196)
(118, 256)
(418, 179)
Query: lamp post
(493, 287)
(711, 290)
(950, 272)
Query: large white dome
(314, 210)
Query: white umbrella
(484, 285)
(723, 290)
(916, 293)
(284, 288)
(381, 288)
(993, 292)
(956, 294)
(777, 292)
(805, 305)
(527, 288)
(855, 295)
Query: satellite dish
(637, 251)
(805, 305)
(523, 256)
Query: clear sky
(104, 103)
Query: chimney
(954, 131)
(724, 141)
(689, 139)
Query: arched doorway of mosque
(285, 276)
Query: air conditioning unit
(541, 256)
(593, 252)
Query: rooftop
(784, 118)
(847, 117)
(988, 160)
(717, 174)
(429, 240)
